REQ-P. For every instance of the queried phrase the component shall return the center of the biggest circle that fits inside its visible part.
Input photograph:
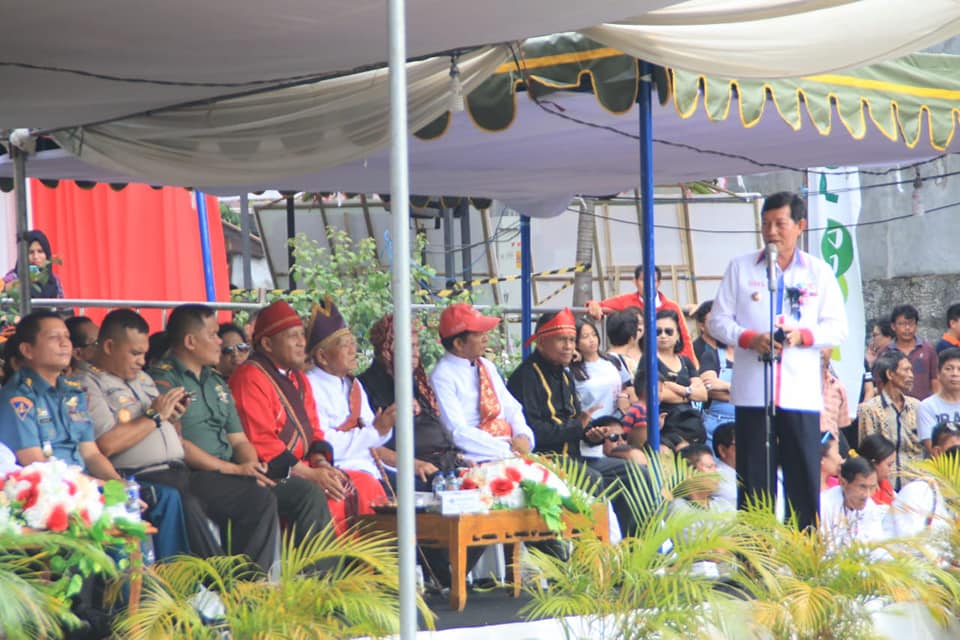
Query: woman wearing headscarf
(434, 448)
(39, 257)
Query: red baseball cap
(461, 317)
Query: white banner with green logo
(833, 209)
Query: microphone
(771, 255)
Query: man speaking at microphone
(808, 315)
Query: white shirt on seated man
(457, 379)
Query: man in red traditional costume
(487, 422)
(278, 414)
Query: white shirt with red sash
(457, 385)
(351, 449)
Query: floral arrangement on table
(59, 522)
(516, 483)
(55, 496)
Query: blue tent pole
(649, 261)
(526, 268)
(205, 250)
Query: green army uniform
(52, 418)
(212, 415)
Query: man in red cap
(487, 422)
(346, 419)
(279, 417)
(546, 391)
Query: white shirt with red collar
(351, 449)
(807, 298)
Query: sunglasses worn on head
(667, 331)
(243, 347)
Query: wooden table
(506, 526)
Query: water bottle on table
(133, 500)
(439, 484)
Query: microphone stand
(769, 384)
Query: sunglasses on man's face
(616, 437)
(667, 331)
(243, 347)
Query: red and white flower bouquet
(529, 482)
(49, 495)
(500, 481)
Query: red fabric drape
(138, 243)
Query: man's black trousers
(794, 446)
(245, 512)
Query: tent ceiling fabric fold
(272, 135)
(903, 99)
(67, 64)
(112, 58)
(780, 38)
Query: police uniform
(208, 421)
(112, 402)
(159, 458)
(53, 419)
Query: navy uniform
(52, 418)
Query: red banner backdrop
(138, 243)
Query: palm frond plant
(935, 505)
(667, 476)
(585, 488)
(329, 587)
(40, 573)
(801, 587)
(648, 586)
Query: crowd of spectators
(248, 427)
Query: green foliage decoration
(328, 587)
(40, 574)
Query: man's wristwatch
(688, 392)
(153, 415)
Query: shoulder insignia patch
(21, 406)
(70, 382)
(163, 383)
(164, 366)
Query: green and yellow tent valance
(546, 65)
(899, 97)
(903, 98)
